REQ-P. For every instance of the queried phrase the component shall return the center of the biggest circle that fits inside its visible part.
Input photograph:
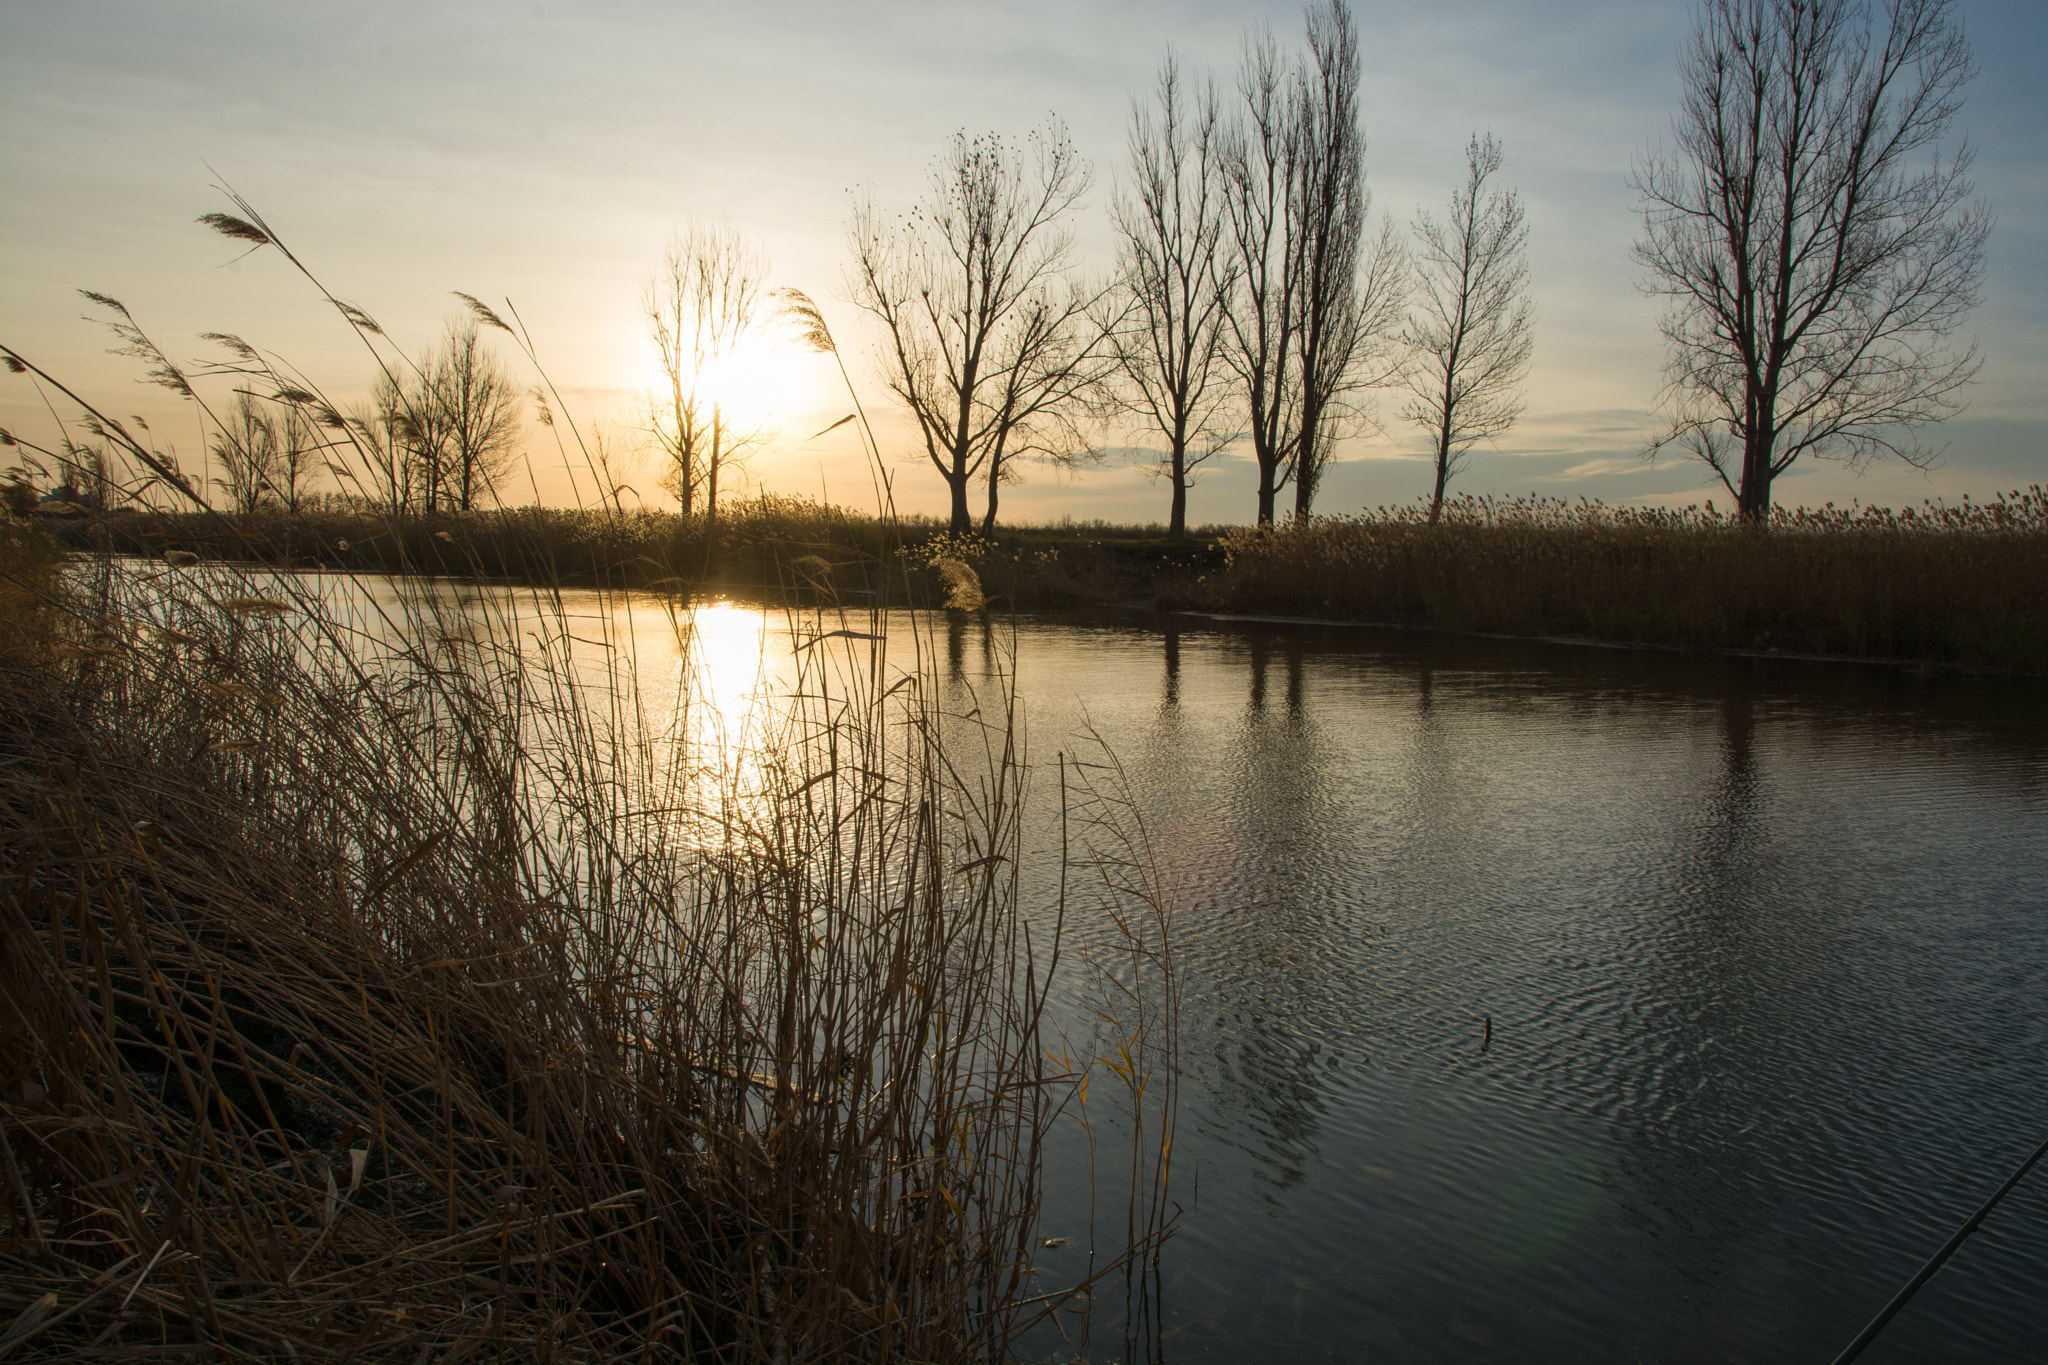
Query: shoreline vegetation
(387, 989)
(1962, 585)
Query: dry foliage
(385, 989)
(1963, 584)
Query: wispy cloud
(1590, 469)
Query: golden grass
(380, 980)
(1964, 584)
(401, 1004)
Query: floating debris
(256, 606)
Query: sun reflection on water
(724, 673)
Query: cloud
(1389, 456)
(1589, 469)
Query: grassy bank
(1964, 585)
(768, 545)
(751, 545)
(415, 1002)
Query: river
(1547, 1002)
(1544, 1002)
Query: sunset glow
(565, 205)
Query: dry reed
(382, 982)
(388, 1005)
(1963, 584)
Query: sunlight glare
(753, 386)
(722, 677)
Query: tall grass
(1962, 584)
(389, 978)
(748, 549)
(1944, 583)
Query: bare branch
(992, 344)
(1469, 335)
(1818, 247)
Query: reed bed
(425, 1005)
(1963, 584)
(1960, 584)
(749, 548)
(387, 977)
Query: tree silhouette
(700, 306)
(1315, 302)
(992, 343)
(1172, 268)
(1469, 333)
(1817, 246)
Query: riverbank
(765, 546)
(1965, 586)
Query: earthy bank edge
(1963, 585)
(368, 1011)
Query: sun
(755, 386)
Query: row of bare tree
(440, 435)
(1816, 244)
(1253, 303)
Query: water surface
(1759, 942)
(1542, 1002)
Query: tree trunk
(711, 474)
(1443, 476)
(1753, 498)
(956, 483)
(1267, 468)
(1177, 518)
(988, 523)
(1304, 494)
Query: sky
(544, 153)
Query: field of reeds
(1963, 584)
(767, 547)
(379, 988)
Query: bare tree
(299, 452)
(1817, 246)
(700, 305)
(1469, 337)
(1262, 312)
(1351, 289)
(1316, 302)
(248, 448)
(392, 443)
(992, 343)
(409, 441)
(1175, 275)
(475, 408)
